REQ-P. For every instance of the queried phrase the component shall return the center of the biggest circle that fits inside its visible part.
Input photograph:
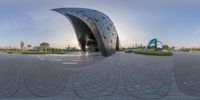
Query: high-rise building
(22, 46)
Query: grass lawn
(152, 52)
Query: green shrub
(151, 52)
(31, 52)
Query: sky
(174, 22)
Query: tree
(44, 46)
(165, 47)
(173, 47)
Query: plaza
(90, 76)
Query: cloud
(136, 20)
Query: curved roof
(92, 23)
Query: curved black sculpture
(94, 29)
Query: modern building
(94, 29)
(29, 47)
(68, 48)
(36, 48)
(22, 46)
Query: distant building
(140, 45)
(29, 47)
(71, 48)
(68, 47)
(22, 46)
(36, 48)
(136, 45)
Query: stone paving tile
(186, 72)
(118, 77)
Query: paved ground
(80, 76)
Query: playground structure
(156, 44)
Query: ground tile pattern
(81, 76)
(187, 73)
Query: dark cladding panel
(93, 25)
